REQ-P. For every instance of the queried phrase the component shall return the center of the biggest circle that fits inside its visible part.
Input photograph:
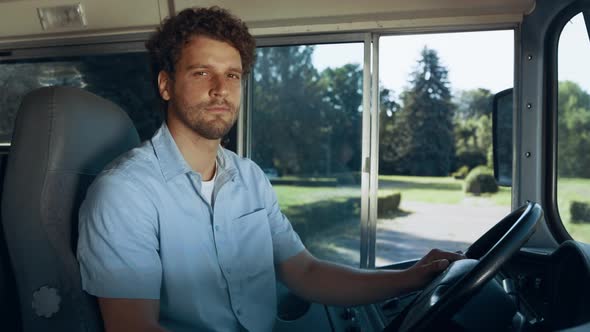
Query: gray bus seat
(63, 137)
(9, 311)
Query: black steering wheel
(448, 292)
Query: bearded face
(211, 120)
(204, 94)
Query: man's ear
(164, 85)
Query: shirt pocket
(254, 250)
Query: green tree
(287, 111)
(305, 122)
(342, 98)
(387, 113)
(473, 103)
(573, 130)
(422, 134)
(473, 128)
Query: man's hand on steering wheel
(446, 294)
(429, 266)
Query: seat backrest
(9, 307)
(63, 137)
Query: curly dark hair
(166, 44)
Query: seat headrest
(69, 129)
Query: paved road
(412, 234)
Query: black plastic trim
(551, 86)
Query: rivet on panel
(528, 154)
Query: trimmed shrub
(461, 173)
(314, 218)
(580, 212)
(388, 205)
(471, 158)
(480, 180)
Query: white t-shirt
(207, 187)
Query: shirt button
(217, 228)
(228, 271)
(239, 312)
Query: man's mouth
(218, 109)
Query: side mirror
(502, 136)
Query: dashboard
(553, 287)
(551, 290)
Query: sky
(574, 53)
(473, 59)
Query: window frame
(368, 160)
(553, 218)
(370, 170)
(49, 50)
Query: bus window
(306, 136)
(124, 79)
(573, 129)
(436, 184)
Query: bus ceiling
(38, 20)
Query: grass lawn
(290, 196)
(313, 210)
(331, 204)
(426, 189)
(430, 189)
(568, 190)
(316, 208)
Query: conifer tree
(422, 137)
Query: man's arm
(130, 315)
(118, 253)
(333, 284)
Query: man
(180, 234)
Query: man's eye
(200, 73)
(234, 76)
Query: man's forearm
(341, 285)
(334, 284)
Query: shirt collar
(172, 163)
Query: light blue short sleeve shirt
(146, 232)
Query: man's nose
(218, 87)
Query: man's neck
(200, 153)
